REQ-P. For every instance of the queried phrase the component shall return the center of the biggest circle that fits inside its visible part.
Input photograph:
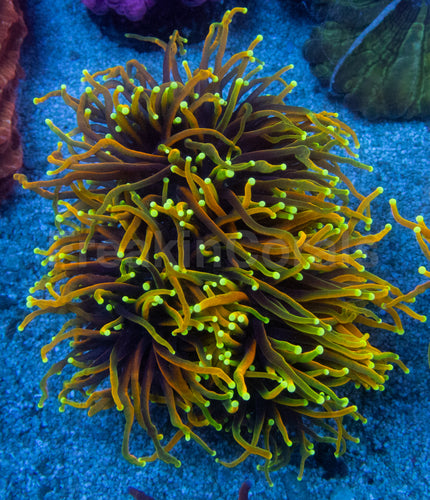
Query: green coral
(210, 250)
(375, 54)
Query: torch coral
(210, 258)
(422, 234)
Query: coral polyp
(210, 250)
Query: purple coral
(193, 3)
(134, 10)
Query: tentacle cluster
(209, 248)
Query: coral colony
(375, 55)
(210, 251)
(133, 10)
(12, 33)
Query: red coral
(12, 33)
